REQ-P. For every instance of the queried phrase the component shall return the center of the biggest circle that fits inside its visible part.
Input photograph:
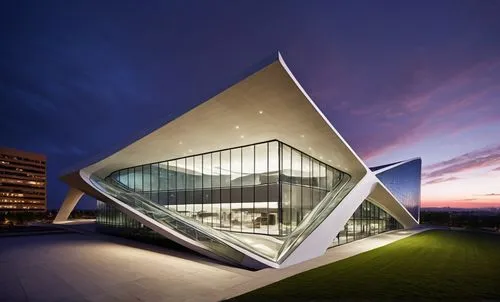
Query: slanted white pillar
(68, 205)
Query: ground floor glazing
(367, 220)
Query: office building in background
(23, 181)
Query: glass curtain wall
(266, 188)
(305, 181)
(367, 220)
(404, 182)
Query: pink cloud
(490, 194)
(440, 180)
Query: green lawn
(438, 264)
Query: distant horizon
(422, 207)
(470, 208)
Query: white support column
(68, 205)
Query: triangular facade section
(403, 180)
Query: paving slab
(94, 267)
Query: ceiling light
(329, 160)
(260, 111)
(321, 157)
(180, 143)
(190, 150)
(310, 148)
(302, 135)
(237, 127)
(242, 136)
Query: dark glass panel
(404, 182)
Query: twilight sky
(398, 79)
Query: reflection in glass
(367, 220)
(404, 182)
(266, 188)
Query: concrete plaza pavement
(94, 267)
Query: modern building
(255, 176)
(23, 181)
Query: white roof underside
(288, 115)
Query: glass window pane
(286, 166)
(261, 206)
(322, 176)
(248, 178)
(207, 170)
(190, 175)
(286, 163)
(285, 208)
(236, 167)
(198, 188)
(329, 178)
(207, 207)
(131, 178)
(225, 174)
(350, 230)
(181, 174)
(248, 171)
(216, 201)
(172, 180)
(181, 186)
(198, 171)
(172, 175)
(207, 189)
(163, 182)
(216, 169)
(261, 164)
(316, 174)
(296, 207)
(306, 170)
(146, 171)
(296, 194)
(236, 214)
(225, 171)
(296, 167)
(138, 179)
(124, 177)
(154, 182)
(273, 159)
(273, 195)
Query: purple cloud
(496, 169)
(463, 100)
(480, 158)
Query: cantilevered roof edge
(306, 95)
(155, 124)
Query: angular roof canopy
(269, 104)
(266, 105)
